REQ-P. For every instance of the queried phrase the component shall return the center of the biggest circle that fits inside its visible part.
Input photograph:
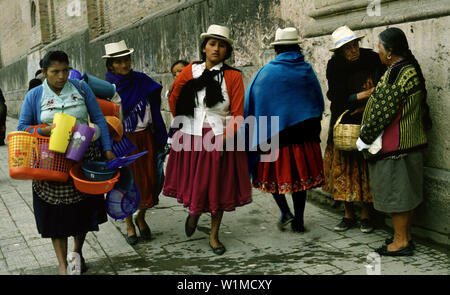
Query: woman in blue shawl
(287, 88)
(143, 125)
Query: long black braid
(395, 40)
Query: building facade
(162, 31)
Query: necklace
(396, 62)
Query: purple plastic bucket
(82, 136)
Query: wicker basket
(345, 135)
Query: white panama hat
(217, 32)
(342, 36)
(286, 36)
(117, 49)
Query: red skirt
(205, 181)
(144, 168)
(299, 167)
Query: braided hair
(394, 39)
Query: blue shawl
(286, 87)
(137, 90)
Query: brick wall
(15, 30)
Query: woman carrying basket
(59, 208)
(352, 74)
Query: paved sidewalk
(254, 244)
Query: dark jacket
(345, 80)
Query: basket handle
(340, 118)
(35, 133)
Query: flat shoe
(391, 240)
(131, 240)
(146, 234)
(219, 250)
(187, 229)
(407, 251)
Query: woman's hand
(365, 94)
(46, 131)
(357, 111)
(109, 155)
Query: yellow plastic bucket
(61, 134)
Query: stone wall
(170, 30)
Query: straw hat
(286, 36)
(117, 49)
(115, 127)
(217, 32)
(342, 36)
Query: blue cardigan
(30, 115)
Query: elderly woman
(397, 111)
(288, 88)
(352, 73)
(143, 125)
(202, 177)
(59, 208)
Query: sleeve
(96, 116)
(180, 81)
(236, 94)
(28, 113)
(384, 104)
(337, 92)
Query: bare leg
(215, 225)
(140, 219)
(365, 210)
(410, 219)
(400, 223)
(78, 243)
(131, 231)
(348, 210)
(60, 246)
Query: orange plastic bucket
(91, 187)
(108, 108)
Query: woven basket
(345, 135)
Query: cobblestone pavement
(254, 244)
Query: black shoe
(365, 226)
(131, 240)
(407, 251)
(284, 220)
(187, 229)
(297, 226)
(345, 224)
(145, 234)
(391, 240)
(219, 250)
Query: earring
(388, 57)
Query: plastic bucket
(101, 88)
(121, 203)
(109, 108)
(61, 132)
(82, 136)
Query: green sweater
(397, 108)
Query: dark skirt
(299, 167)
(61, 221)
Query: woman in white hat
(352, 73)
(143, 125)
(287, 88)
(201, 176)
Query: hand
(357, 111)
(109, 155)
(46, 131)
(365, 94)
